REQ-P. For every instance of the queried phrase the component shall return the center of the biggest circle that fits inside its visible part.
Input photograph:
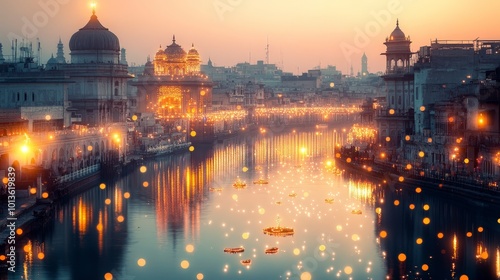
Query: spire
(173, 39)
(192, 45)
(60, 52)
(397, 22)
(93, 7)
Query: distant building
(364, 65)
(172, 85)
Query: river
(173, 217)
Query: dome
(175, 53)
(94, 36)
(160, 51)
(52, 60)
(193, 54)
(397, 34)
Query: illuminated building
(395, 119)
(172, 85)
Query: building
(98, 95)
(364, 65)
(395, 118)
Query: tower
(395, 120)
(2, 60)
(364, 65)
(123, 56)
(60, 53)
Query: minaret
(2, 60)
(60, 53)
(364, 65)
(123, 57)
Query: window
(399, 100)
(18, 96)
(416, 93)
(25, 96)
(33, 96)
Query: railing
(79, 173)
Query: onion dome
(193, 54)
(94, 36)
(175, 53)
(397, 34)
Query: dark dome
(52, 60)
(175, 52)
(94, 36)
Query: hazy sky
(301, 34)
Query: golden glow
(419, 241)
(33, 191)
(102, 186)
(45, 195)
(411, 206)
(306, 276)
(407, 137)
(396, 202)
(143, 169)
(402, 257)
(418, 190)
(387, 139)
(141, 262)
(25, 149)
(189, 248)
(383, 234)
(185, 264)
(422, 108)
(421, 154)
(191, 148)
(440, 235)
(425, 267)
(193, 133)
(464, 277)
(426, 221)
(466, 161)
(480, 229)
(426, 207)
(19, 231)
(347, 270)
(108, 276)
(391, 111)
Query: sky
(301, 35)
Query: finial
(192, 45)
(397, 22)
(60, 42)
(93, 7)
(173, 39)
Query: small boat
(246, 262)
(357, 212)
(278, 231)
(261, 182)
(215, 189)
(239, 184)
(278, 202)
(234, 250)
(292, 194)
(329, 200)
(272, 250)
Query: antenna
(267, 51)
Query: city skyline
(300, 37)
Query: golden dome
(193, 54)
(175, 53)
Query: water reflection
(166, 221)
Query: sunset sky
(302, 35)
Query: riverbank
(31, 213)
(395, 179)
